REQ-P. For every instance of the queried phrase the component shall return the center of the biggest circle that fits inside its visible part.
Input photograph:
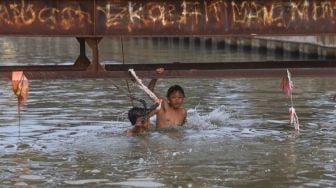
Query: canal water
(71, 132)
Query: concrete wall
(309, 47)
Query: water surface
(71, 133)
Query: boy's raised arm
(152, 83)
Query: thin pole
(20, 85)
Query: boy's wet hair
(140, 112)
(175, 88)
(135, 113)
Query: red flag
(287, 85)
(20, 86)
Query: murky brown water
(237, 135)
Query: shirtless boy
(171, 112)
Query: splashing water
(218, 117)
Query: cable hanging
(127, 83)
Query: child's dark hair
(135, 113)
(138, 112)
(175, 88)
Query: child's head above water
(135, 113)
(175, 88)
(175, 96)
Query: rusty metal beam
(101, 18)
(181, 70)
(224, 65)
(31, 68)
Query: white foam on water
(146, 182)
(21, 184)
(87, 181)
(328, 149)
(32, 178)
(218, 117)
(281, 122)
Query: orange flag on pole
(20, 86)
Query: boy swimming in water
(171, 112)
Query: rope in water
(129, 92)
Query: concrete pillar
(262, 46)
(246, 44)
(176, 41)
(330, 53)
(278, 48)
(186, 42)
(155, 41)
(197, 41)
(164, 40)
(208, 43)
(232, 42)
(221, 44)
